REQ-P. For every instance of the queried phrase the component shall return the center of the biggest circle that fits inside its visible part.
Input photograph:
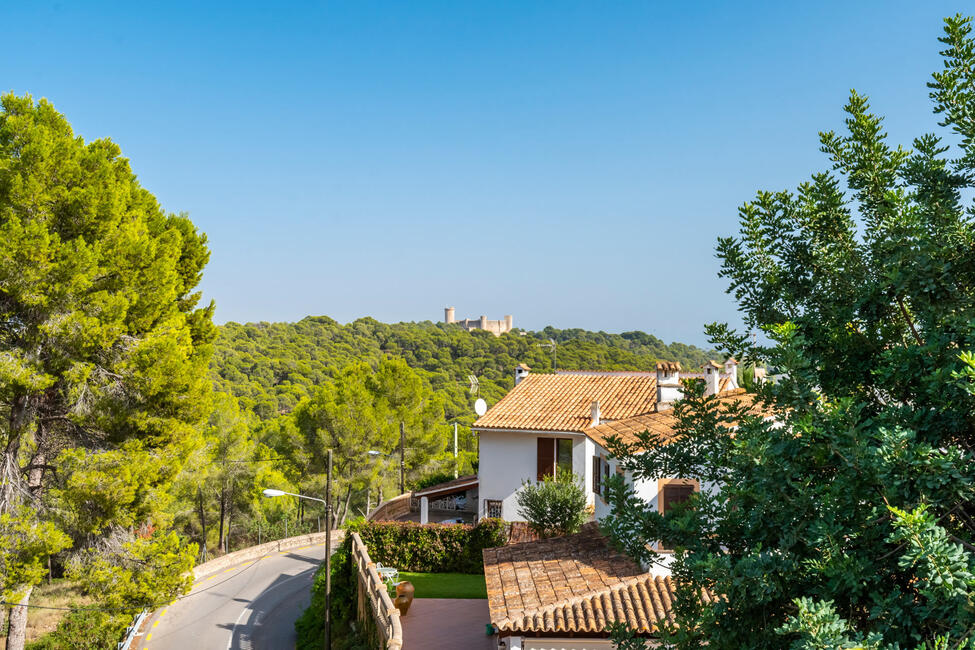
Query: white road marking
(230, 641)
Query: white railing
(445, 504)
(373, 594)
(132, 630)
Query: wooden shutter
(597, 478)
(546, 457)
(673, 494)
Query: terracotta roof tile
(572, 584)
(662, 423)
(563, 402)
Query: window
(563, 456)
(670, 492)
(492, 508)
(600, 474)
(554, 454)
(673, 493)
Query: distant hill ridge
(270, 367)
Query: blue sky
(568, 163)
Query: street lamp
(271, 493)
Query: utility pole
(402, 458)
(328, 553)
(203, 523)
(455, 450)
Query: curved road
(250, 606)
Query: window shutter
(597, 479)
(546, 457)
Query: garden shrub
(84, 628)
(554, 506)
(431, 548)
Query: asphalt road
(251, 606)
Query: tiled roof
(572, 584)
(564, 402)
(661, 423)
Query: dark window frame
(548, 459)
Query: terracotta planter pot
(404, 597)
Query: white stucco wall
(582, 457)
(507, 459)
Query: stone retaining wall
(391, 509)
(254, 552)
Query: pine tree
(103, 347)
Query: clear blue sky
(568, 163)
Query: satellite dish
(480, 407)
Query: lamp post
(328, 542)
(402, 458)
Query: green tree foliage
(84, 628)
(230, 450)
(361, 411)
(132, 574)
(271, 367)
(103, 348)
(27, 544)
(850, 520)
(553, 506)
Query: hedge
(431, 548)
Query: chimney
(509, 323)
(521, 371)
(731, 371)
(448, 315)
(668, 384)
(595, 413)
(712, 377)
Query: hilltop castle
(496, 327)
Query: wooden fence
(375, 609)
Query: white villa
(552, 422)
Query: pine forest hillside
(271, 367)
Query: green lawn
(446, 585)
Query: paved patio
(447, 624)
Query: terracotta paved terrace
(447, 624)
